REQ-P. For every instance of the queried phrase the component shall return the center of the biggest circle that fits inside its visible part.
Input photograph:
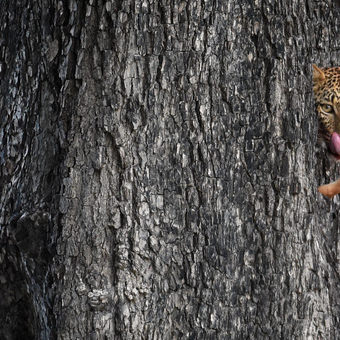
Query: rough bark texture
(159, 170)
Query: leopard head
(326, 87)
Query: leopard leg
(330, 189)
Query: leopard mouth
(334, 145)
(336, 157)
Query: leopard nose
(337, 109)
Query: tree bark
(159, 172)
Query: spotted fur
(326, 87)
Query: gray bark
(158, 171)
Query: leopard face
(326, 87)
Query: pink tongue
(334, 144)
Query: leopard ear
(318, 74)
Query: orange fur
(330, 189)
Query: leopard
(326, 88)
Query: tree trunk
(159, 170)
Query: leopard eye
(327, 108)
